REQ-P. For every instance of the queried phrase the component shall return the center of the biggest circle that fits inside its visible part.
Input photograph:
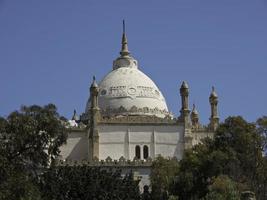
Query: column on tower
(184, 92)
(93, 133)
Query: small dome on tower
(213, 93)
(184, 85)
(94, 83)
(194, 111)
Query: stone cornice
(134, 111)
(144, 120)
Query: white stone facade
(127, 120)
(116, 141)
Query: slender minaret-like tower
(195, 117)
(214, 118)
(184, 92)
(185, 116)
(94, 117)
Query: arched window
(145, 151)
(137, 152)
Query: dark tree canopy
(222, 188)
(86, 183)
(29, 141)
(162, 177)
(236, 151)
(32, 136)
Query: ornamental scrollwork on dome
(122, 111)
(131, 91)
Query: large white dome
(128, 91)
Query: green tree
(163, 174)
(261, 186)
(223, 188)
(262, 130)
(86, 183)
(29, 141)
(236, 151)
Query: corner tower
(93, 134)
(184, 92)
(214, 118)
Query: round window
(103, 92)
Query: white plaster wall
(116, 141)
(120, 140)
(111, 142)
(169, 142)
(76, 147)
(115, 151)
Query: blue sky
(49, 51)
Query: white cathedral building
(127, 123)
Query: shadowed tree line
(83, 182)
(222, 168)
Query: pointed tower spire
(124, 43)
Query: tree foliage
(262, 130)
(29, 143)
(236, 151)
(163, 174)
(83, 182)
(32, 136)
(221, 188)
(29, 140)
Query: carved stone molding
(138, 119)
(134, 111)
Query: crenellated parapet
(108, 162)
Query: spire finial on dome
(124, 44)
(123, 26)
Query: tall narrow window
(137, 152)
(145, 151)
